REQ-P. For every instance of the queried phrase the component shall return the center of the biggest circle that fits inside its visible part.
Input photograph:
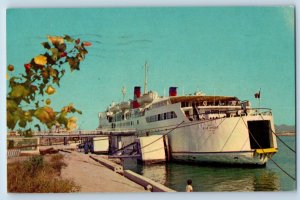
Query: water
(211, 179)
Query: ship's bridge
(187, 101)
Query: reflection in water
(223, 179)
(156, 172)
(210, 179)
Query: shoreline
(286, 134)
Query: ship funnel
(137, 92)
(172, 91)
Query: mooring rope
(162, 135)
(279, 137)
(231, 133)
(150, 142)
(131, 144)
(267, 154)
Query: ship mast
(123, 92)
(146, 82)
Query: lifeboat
(147, 98)
(124, 105)
(114, 108)
(109, 113)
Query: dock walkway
(94, 177)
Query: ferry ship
(199, 128)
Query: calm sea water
(211, 179)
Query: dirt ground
(94, 177)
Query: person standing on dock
(189, 187)
(86, 148)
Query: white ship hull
(232, 158)
(226, 133)
(223, 140)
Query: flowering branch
(42, 74)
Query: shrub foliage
(38, 176)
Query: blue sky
(232, 51)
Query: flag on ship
(257, 95)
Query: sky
(278, 94)
(231, 51)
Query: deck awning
(208, 99)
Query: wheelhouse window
(173, 115)
(184, 104)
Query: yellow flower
(48, 102)
(72, 123)
(50, 90)
(40, 60)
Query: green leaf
(62, 119)
(22, 123)
(12, 120)
(37, 104)
(49, 59)
(68, 38)
(38, 127)
(19, 91)
(11, 105)
(45, 80)
(27, 100)
(46, 45)
(61, 47)
(28, 115)
(74, 63)
(79, 56)
(53, 72)
(32, 97)
(41, 88)
(12, 82)
(62, 73)
(56, 81)
(37, 77)
(54, 56)
(83, 51)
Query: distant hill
(284, 128)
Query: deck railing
(260, 111)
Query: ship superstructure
(199, 128)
